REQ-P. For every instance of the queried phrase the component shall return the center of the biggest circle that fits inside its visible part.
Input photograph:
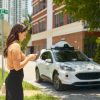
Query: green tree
(90, 46)
(97, 56)
(27, 22)
(5, 38)
(86, 10)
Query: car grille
(87, 83)
(88, 76)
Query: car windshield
(65, 55)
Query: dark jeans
(14, 89)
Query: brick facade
(75, 39)
(39, 15)
(39, 44)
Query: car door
(42, 63)
(48, 65)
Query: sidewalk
(27, 93)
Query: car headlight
(66, 68)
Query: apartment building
(18, 11)
(50, 25)
(4, 5)
(0, 3)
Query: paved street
(70, 94)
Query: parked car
(63, 65)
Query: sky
(29, 6)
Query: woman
(16, 61)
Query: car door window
(46, 55)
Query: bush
(97, 56)
(90, 46)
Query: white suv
(63, 65)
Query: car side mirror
(48, 60)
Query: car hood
(79, 66)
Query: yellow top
(15, 56)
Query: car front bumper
(69, 78)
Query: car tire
(38, 78)
(57, 83)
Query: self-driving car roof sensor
(62, 45)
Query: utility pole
(2, 36)
(2, 12)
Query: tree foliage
(27, 22)
(87, 10)
(97, 56)
(5, 38)
(90, 46)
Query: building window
(42, 4)
(69, 19)
(37, 48)
(56, 20)
(59, 19)
(42, 25)
(35, 9)
(35, 28)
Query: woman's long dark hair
(13, 36)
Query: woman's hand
(32, 56)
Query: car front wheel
(57, 83)
(38, 78)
